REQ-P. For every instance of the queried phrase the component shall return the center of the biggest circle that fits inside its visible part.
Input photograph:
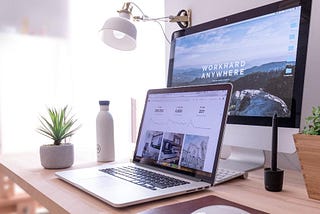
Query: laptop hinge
(169, 172)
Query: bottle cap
(104, 102)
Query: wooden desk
(60, 197)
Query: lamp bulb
(118, 34)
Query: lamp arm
(147, 18)
(143, 17)
(183, 18)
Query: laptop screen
(181, 128)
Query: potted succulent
(59, 126)
(308, 149)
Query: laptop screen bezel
(197, 174)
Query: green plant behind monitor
(313, 122)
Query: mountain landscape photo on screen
(257, 56)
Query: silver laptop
(177, 149)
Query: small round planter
(57, 156)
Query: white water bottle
(104, 132)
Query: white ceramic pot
(57, 156)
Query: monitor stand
(243, 159)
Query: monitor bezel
(294, 120)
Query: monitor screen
(262, 52)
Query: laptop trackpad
(103, 182)
(113, 189)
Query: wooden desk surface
(60, 197)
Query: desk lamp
(120, 33)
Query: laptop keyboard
(223, 175)
(144, 178)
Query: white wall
(311, 95)
(100, 72)
(31, 52)
(206, 10)
(41, 71)
(33, 73)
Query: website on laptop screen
(181, 130)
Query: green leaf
(313, 122)
(58, 126)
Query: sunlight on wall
(29, 80)
(78, 71)
(101, 72)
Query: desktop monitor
(262, 52)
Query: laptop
(177, 149)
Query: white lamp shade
(119, 33)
